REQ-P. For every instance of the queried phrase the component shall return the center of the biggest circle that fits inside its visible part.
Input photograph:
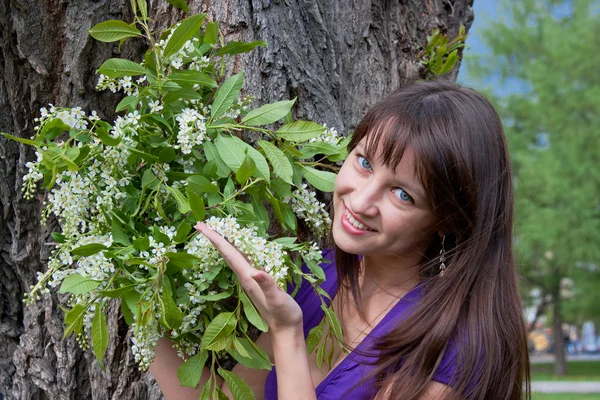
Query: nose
(364, 199)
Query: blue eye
(364, 162)
(402, 195)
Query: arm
(282, 314)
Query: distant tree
(551, 48)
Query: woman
(430, 309)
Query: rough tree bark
(337, 57)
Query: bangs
(387, 141)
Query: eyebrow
(414, 192)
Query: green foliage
(440, 54)
(553, 138)
(127, 193)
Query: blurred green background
(539, 62)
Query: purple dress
(352, 369)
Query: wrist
(286, 336)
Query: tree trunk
(336, 57)
(560, 362)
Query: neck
(394, 276)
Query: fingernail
(199, 227)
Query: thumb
(265, 281)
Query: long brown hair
(464, 167)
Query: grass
(576, 371)
(564, 396)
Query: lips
(355, 221)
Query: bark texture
(337, 57)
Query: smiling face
(381, 212)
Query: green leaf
(268, 113)
(99, 333)
(212, 154)
(246, 169)
(196, 204)
(201, 185)
(20, 139)
(77, 284)
(257, 358)
(281, 188)
(182, 232)
(190, 371)
(182, 260)
(118, 292)
(58, 237)
(314, 336)
(289, 218)
(167, 154)
(449, 63)
(252, 313)
(113, 31)
(211, 33)
(239, 388)
(141, 244)
(300, 131)
(187, 29)
(226, 95)
(281, 164)
(322, 180)
(217, 334)
(118, 234)
(150, 180)
(119, 67)
(190, 78)
(312, 149)
(106, 138)
(88, 249)
(183, 205)
(315, 269)
(217, 296)
(181, 4)
(232, 152)
(170, 314)
(74, 319)
(333, 322)
(234, 47)
(53, 128)
(143, 8)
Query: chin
(344, 242)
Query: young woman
(422, 275)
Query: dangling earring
(443, 258)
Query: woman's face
(381, 211)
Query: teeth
(355, 222)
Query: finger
(235, 258)
(266, 283)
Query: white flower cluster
(184, 54)
(313, 253)
(264, 254)
(199, 64)
(144, 340)
(114, 85)
(192, 130)
(32, 177)
(306, 206)
(330, 136)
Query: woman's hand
(278, 308)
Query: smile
(354, 222)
